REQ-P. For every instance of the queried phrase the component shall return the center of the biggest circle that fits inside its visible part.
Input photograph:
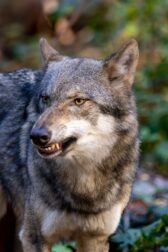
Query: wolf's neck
(84, 188)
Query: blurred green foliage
(64, 247)
(153, 237)
(94, 28)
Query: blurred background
(94, 29)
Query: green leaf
(61, 248)
(161, 151)
(127, 239)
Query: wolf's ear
(49, 53)
(123, 63)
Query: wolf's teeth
(53, 147)
(57, 146)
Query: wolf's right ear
(123, 62)
(49, 53)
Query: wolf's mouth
(56, 148)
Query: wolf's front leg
(90, 244)
(32, 242)
(30, 234)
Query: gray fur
(89, 183)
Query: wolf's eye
(44, 98)
(79, 101)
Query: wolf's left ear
(49, 53)
(123, 63)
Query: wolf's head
(85, 105)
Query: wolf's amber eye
(79, 101)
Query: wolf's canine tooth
(52, 147)
(57, 146)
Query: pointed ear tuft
(48, 53)
(123, 63)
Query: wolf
(69, 147)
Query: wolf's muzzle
(40, 136)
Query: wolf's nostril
(40, 136)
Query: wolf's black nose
(40, 136)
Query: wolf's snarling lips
(50, 149)
(56, 148)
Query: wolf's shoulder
(16, 90)
(21, 77)
(18, 85)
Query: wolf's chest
(57, 225)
